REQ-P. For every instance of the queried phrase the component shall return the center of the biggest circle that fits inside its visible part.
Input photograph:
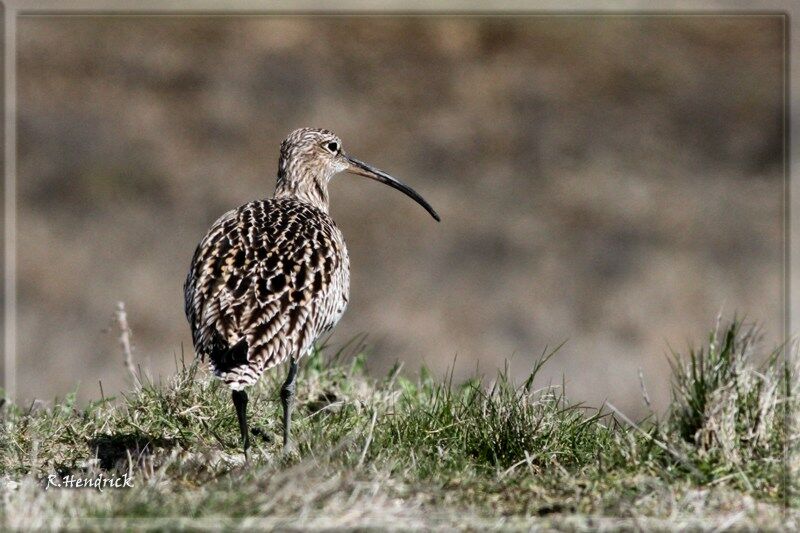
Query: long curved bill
(363, 169)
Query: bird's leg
(287, 399)
(240, 403)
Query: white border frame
(12, 9)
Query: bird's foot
(289, 449)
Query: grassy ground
(401, 454)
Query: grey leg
(287, 399)
(240, 403)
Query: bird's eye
(333, 146)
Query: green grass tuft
(728, 410)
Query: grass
(424, 453)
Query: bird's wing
(265, 273)
(202, 284)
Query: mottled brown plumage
(273, 275)
(272, 272)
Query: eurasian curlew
(273, 275)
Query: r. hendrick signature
(100, 482)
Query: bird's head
(311, 157)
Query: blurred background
(611, 182)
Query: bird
(273, 275)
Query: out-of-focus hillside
(612, 182)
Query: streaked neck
(309, 191)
